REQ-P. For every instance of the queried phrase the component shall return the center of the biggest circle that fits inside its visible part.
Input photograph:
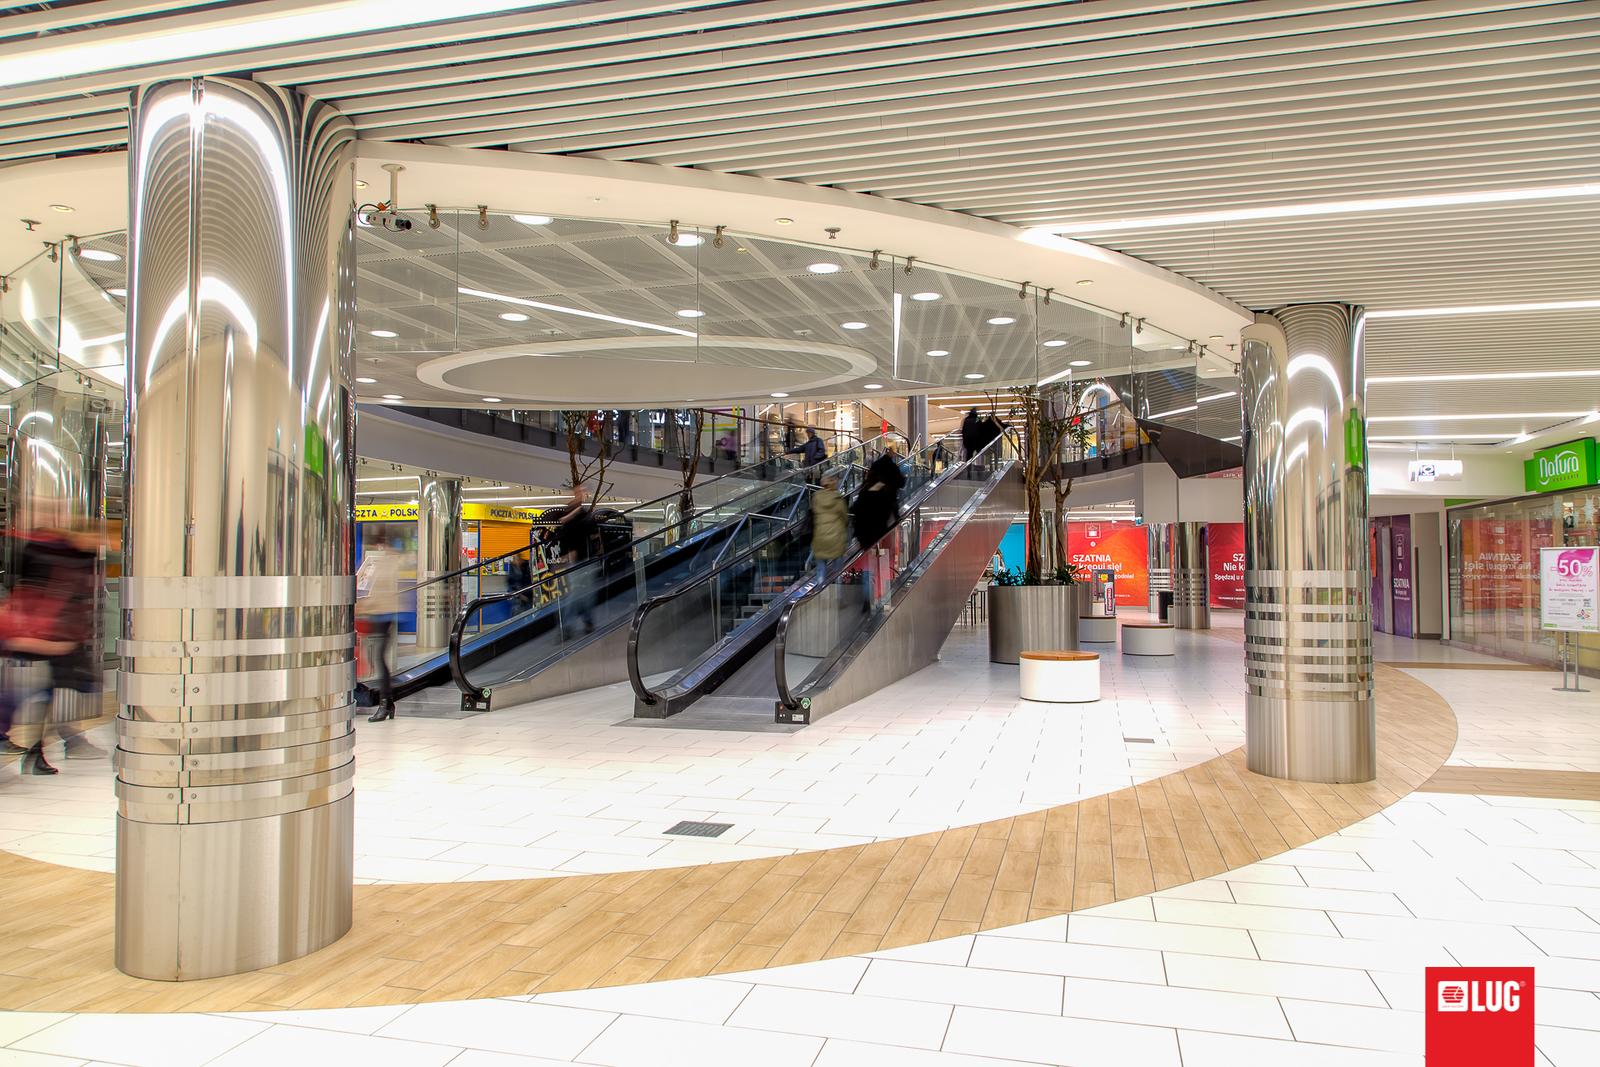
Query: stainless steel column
(234, 758)
(438, 552)
(1308, 625)
(1191, 578)
(1158, 542)
(917, 421)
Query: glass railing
(817, 627)
(678, 635)
(563, 603)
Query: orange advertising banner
(1116, 546)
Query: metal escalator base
(907, 634)
(599, 661)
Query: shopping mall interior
(900, 533)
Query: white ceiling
(1027, 113)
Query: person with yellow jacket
(830, 526)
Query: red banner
(1225, 558)
(1120, 547)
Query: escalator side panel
(599, 662)
(910, 633)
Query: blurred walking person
(830, 526)
(377, 612)
(578, 534)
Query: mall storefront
(1494, 557)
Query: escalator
(710, 644)
(568, 629)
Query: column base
(1311, 741)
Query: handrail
(649, 698)
(458, 673)
(780, 637)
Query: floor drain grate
(1140, 740)
(700, 829)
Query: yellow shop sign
(386, 513)
(408, 512)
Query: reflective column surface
(1191, 604)
(438, 553)
(234, 759)
(1308, 627)
(1158, 540)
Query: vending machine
(1103, 593)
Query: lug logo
(1478, 1016)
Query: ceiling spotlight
(513, 316)
(936, 352)
(383, 333)
(688, 240)
(491, 400)
(973, 377)
(690, 313)
(99, 255)
(924, 296)
(1217, 337)
(784, 221)
(360, 184)
(1085, 281)
(65, 209)
(1080, 363)
(366, 381)
(119, 291)
(872, 385)
(393, 396)
(852, 325)
(824, 268)
(1057, 343)
(1001, 320)
(533, 220)
(778, 396)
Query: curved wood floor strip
(455, 941)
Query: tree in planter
(581, 466)
(684, 432)
(1046, 418)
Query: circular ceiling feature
(65, 209)
(686, 240)
(1085, 281)
(973, 377)
(778, 396)
(872, 385)
(690, 313)
(99, 255)
(1057, 343)
(924, 297)
(1081, 363)
(513, 316)
(533, 220)
(393, 396)
(784, 221)
(492, 400)
(937, 352)
(366, 381)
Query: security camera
(381, 217)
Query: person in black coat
(971, 434)
(876, 511)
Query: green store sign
(1568, 466)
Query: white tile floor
(559, 787)
(1312, 959)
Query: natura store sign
(1567, 466)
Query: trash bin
(1165, 601)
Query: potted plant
(1037, 608)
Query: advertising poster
(1569, 589)
(1400, 573)
(1120, 547)
(1225, 558)
(1377, 540)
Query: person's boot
(382, 713)
(9, 747)
(33, 761)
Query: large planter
(1024, 618)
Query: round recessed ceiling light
(852, 325)
(65, 209)
(973, 377)
(513, 316)
(118, 291)
(777, 396)
(533, 220)
(690, 313)
(873, 385)
(1080, 363)
(924, 296)
(393, 396)
(1085, 281)
(687, 240)
(936, 352)
(383, 333)
(1057, 343)
(491, 400)
(1001, 320)
(366, 381)
(360, 184)
(1217, 337)
(784, 221)
(99, 255)
(824, 268)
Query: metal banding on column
(234, 752)
(1158, 537)
(438, 552)
(1308, 626)
(1191, 604)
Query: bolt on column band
(1308, 625)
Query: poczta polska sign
(1567, 466)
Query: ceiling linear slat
(1040, 103)
(71, 107)
(25, 150)
(111, 123)
(61, 18)
(419, 38)
(1488, 215)
(1407, 275)
(1218, 243)
(671, 95)
(741, 64)
(1312, 255)
(950, 19)
(1396, 242)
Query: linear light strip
(1485, 376)
(1483, 309)
(1486, 415)
(573, 311)
(1443, 437)
(1330, 207)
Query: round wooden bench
(1149, 639)
(1064, 677)
(1097, 629)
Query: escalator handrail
(458, 673)
(785, 695)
